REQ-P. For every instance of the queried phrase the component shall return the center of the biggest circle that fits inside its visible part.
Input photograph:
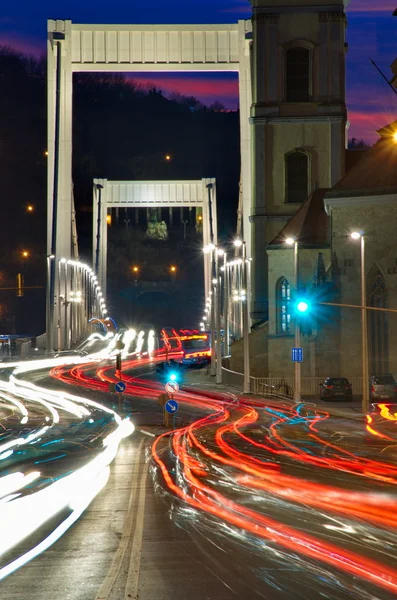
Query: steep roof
(309, 225)
(375, 173)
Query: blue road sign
(297, 354)
(120, 386)
(171, 407)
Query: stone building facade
(298, 115)
(330, 270)
(303, 190)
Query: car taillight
(372, 388)
(329, 387)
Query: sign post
(297, 359)
(172, 408)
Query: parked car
(336, 387)
(383, 387)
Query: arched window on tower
(283, 302)
(378, 325)
(296, 177)
(297, 70)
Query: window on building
(296, 177)
(298, 74)
(283, 301)
(378, 326)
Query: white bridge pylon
(73, 48)
(152, 194)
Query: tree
(355, 144)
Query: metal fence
(284, 386)
(310, 386)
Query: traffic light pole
(297, 365)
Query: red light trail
(214, 441)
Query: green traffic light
(302, 306)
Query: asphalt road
(249, 499)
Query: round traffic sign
(171, 407)
(120, 386)
(172, 387)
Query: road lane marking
(112, 574)
(131, 590)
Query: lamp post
(217, 289)
(245, 317)
(297, 365)
(364, 331)
(211, 248)
(226, 304)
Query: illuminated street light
(172, 269)
(220, 252)
(30, 208)
(25, 254)
(355, 235)
(135, 269)
(290, 241)
(214, 281)
(238, 243)
(167, 157)
(395, 136)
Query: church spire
(320, 274)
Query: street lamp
(355, 235)
(25, 254)
(244, 300)
(301, 308)
(217, 290)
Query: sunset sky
(371, 33)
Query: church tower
(298, 116)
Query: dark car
(383, 387)
(336, 387)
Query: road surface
(246, 499)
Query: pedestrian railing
(283, 386)
(310, 386)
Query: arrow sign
(171, 407)
(297, 354)
(172, 387)
(120, 386)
